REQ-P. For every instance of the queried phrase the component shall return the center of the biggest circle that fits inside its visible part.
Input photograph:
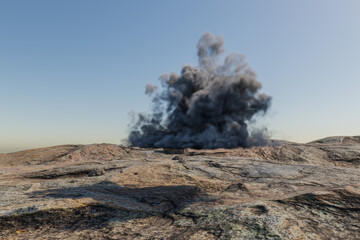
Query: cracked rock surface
(105, 191)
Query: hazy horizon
(72, 71)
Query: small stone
(177, 158)
(182, 161)
(96, 172)
(236, 187)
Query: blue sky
(71, 71)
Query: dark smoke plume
(205, 107)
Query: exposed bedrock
(104, 191)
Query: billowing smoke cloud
(150, 89)
(205, 107)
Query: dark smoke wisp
(205, 107)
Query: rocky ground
(104, 191)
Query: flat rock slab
(105, 191)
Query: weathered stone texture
(104, 191)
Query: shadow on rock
(113, 203)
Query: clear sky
(72, 70)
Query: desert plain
(104, 191)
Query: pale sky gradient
(72, 70)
